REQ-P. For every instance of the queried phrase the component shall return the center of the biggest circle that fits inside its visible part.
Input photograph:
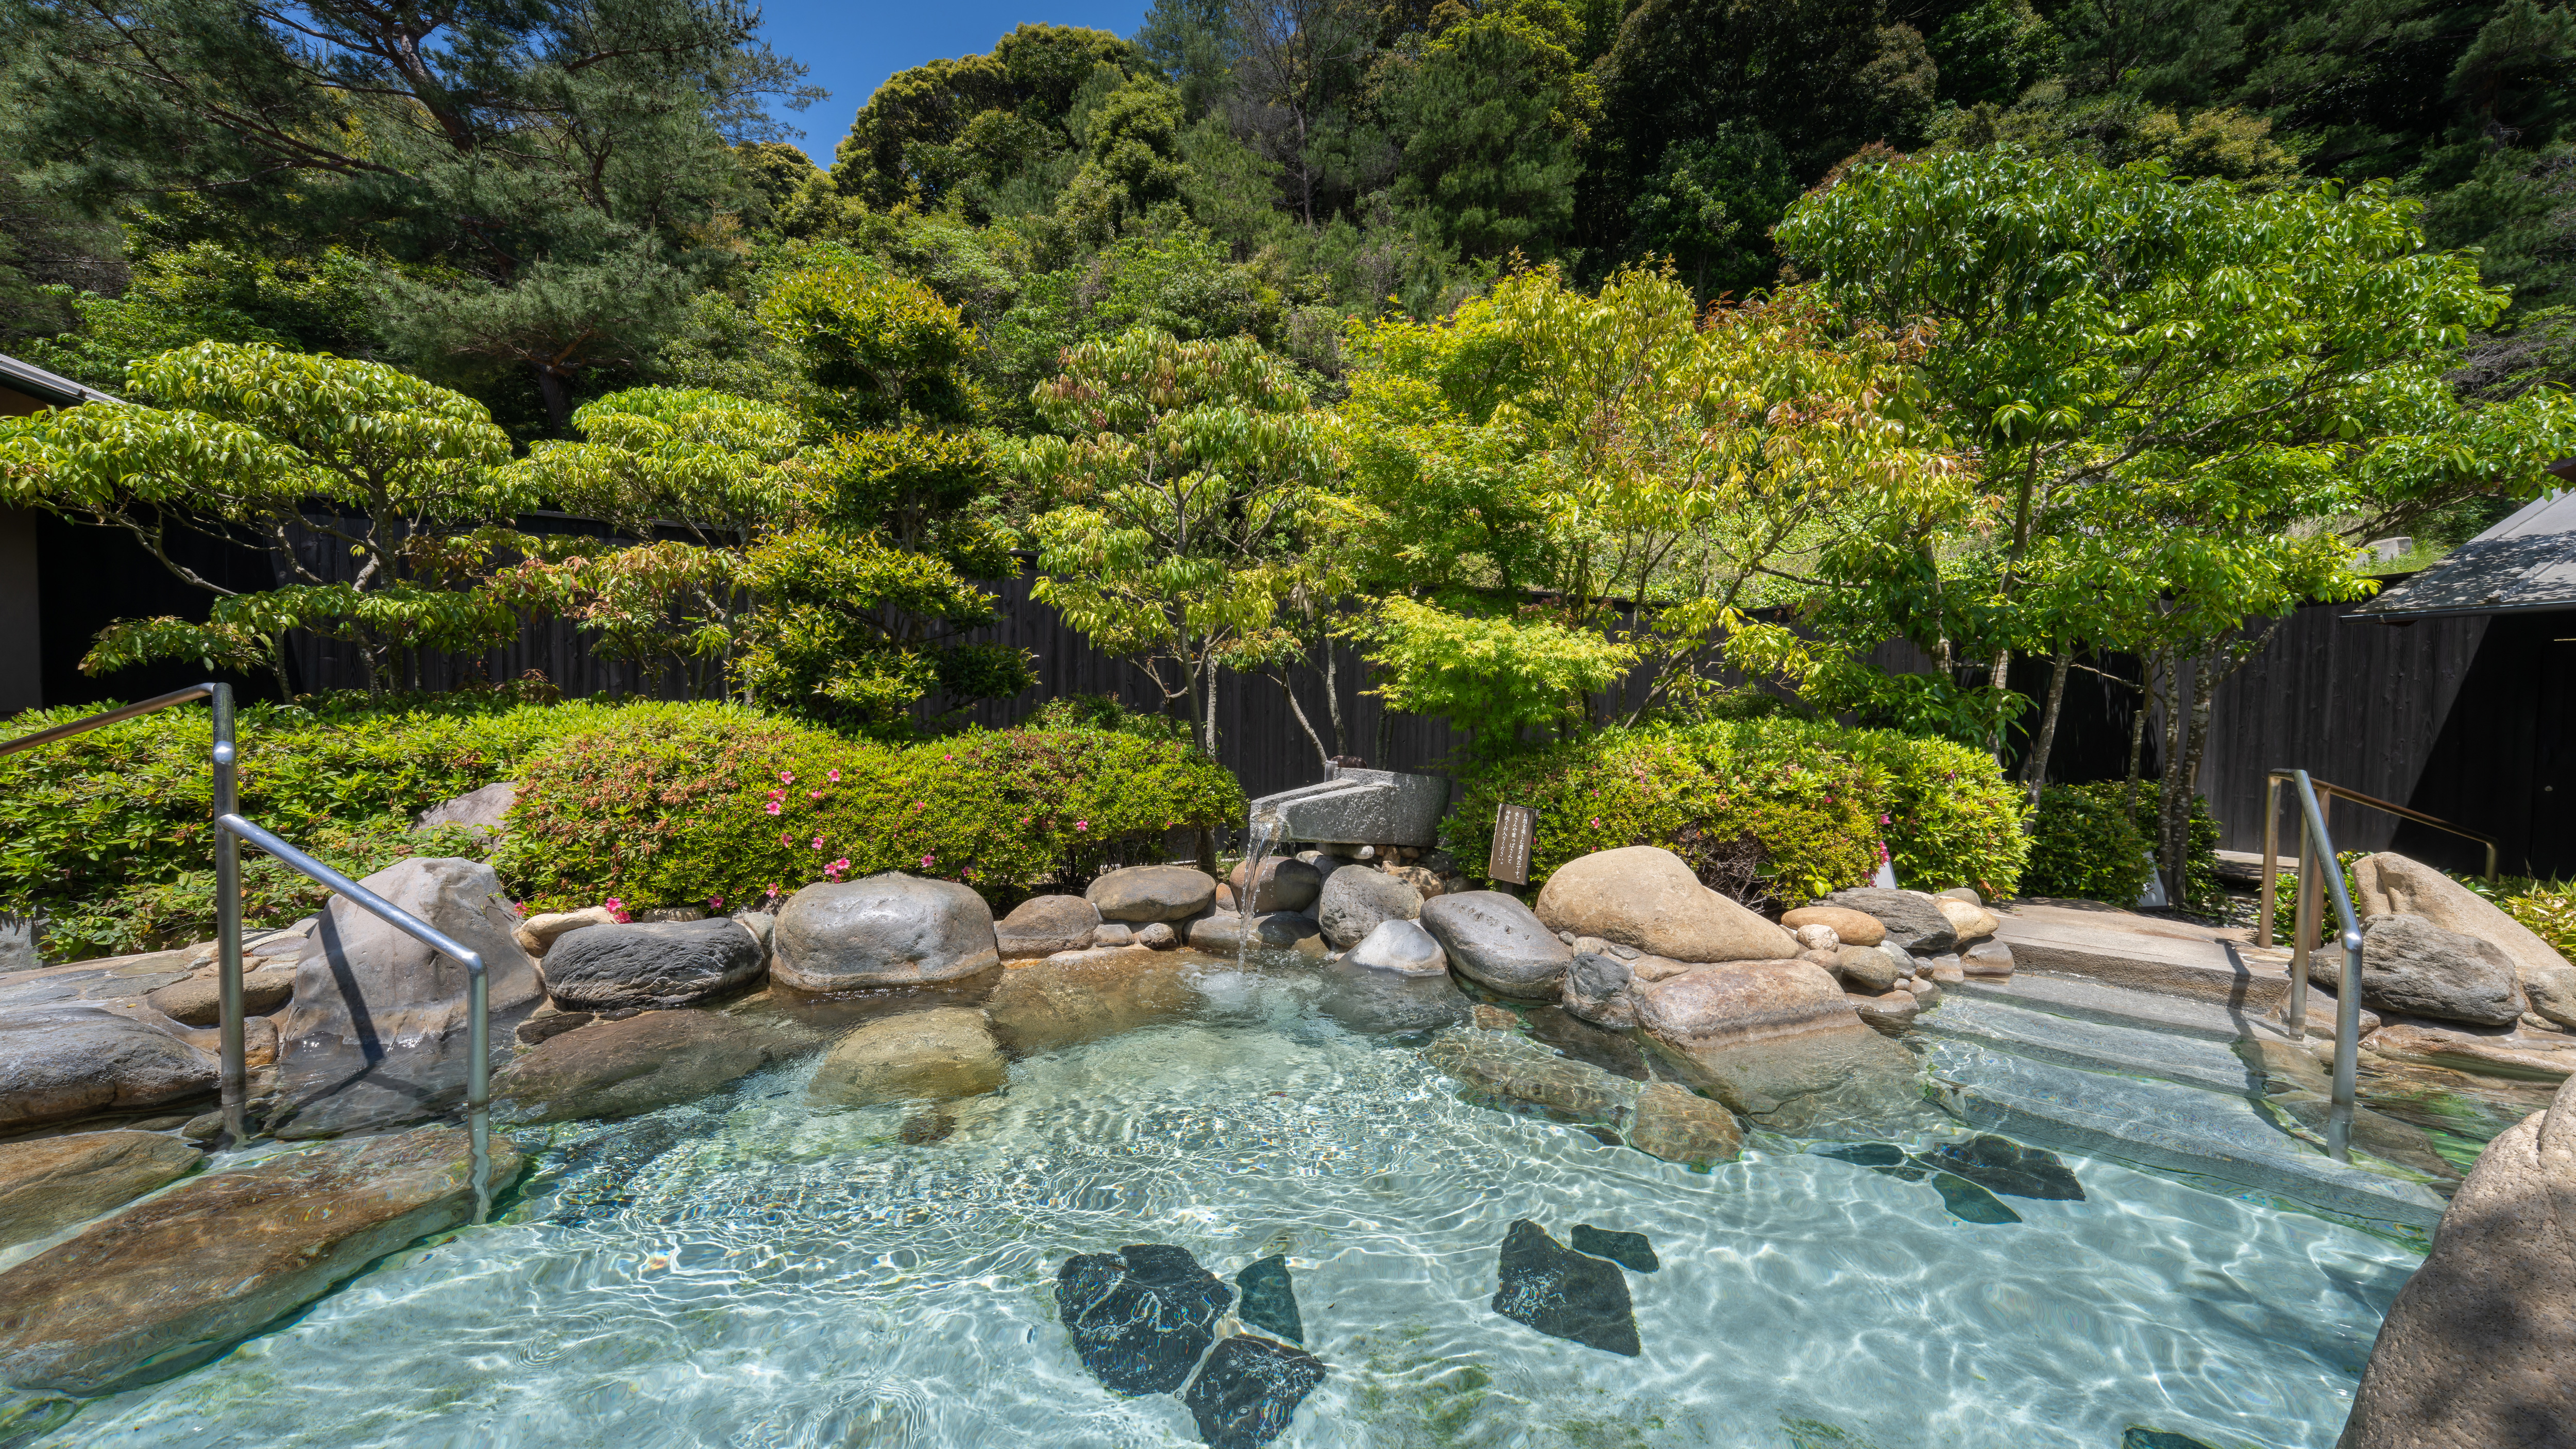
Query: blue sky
(851, 48)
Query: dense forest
(544, 201)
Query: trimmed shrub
(110, 833)
(2093, 842)
(1773, 810)
(717, 806)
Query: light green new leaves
(708, 461)
(1492, 676)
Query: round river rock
(1356, 902)
(1494, 941)
(887, 930)
(672, 963)
(1140, 893)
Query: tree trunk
(2185, 713)
(1333, 698)
(1999, 676)
(2034, 771)
(1323, 757)
(1208, 740)
(556, 389)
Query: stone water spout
(1359, 807)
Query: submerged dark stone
(1629, 1250)
(1865, 1154)
(1140, 1317)
(1564, 1294)
(597, 1170)
(2138, 1436)
(2007, 1167)
(1270, 1298)
(1970, 1203)
(1249, 1391)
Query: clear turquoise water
(776, 1276)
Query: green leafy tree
(985, 132)
(1180, 474)
(1491, 119)
(247, 441)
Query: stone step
(2090, 1045)
(2147, 953)
(2086, 998)
(2213, 1140)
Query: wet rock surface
(1287, 884)
(1632, 1251)
(1597, 990)
(1403, 947)
(2007, 1167)
(1043, 925)
(1248, 1391)
(170, 1283)
(380, 1028)
(51, 1183)
(924, 1055)
(1385, 1003)
(595, 1176)
(1048, 1005)
(199, 1000)
(1354, 903)
(1971, 1203)
(886, 930)
(611, 1069)
(2392, 884)
(674, 964)
(1141, 1317)
(1496, 942)
(63, 1063)
(1564, 1294)
(1269, 1300)
(2411, 967)
(1678, 1125)
(1225, 933)
(1140, 893)
(1649, 898)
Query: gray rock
(547, 1022)
(1361, 807)
(759, 924)
(1867, 968)
(1495, 941)
(481, 811)
(1402, 946)
(1111, 933)
(667, 915)
(199, 1000)
(378, 1032)
(1962, 893)
(1224, 933)
(2411, 967)
(1387, 1003)
(2391, 884)
(1157, 936)
(886, 930)
(1086, 996)
(538, 933)
(1646, 897)
(1140, 893)
(1287, 884)
(62, 1063)
(1912, 921)
(1596, 990)
(603, 1070)
(1043, 925)
(926, 1055)
(50, 1183)
(1987, 958)
(1678, 1125)
(18, 950)
(2479, 1350)
(167, 1284)
(1889, 1012)
(669, 964)
(1354, 902)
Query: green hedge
(2091, 842)
(712, 805)
(109, 833)
(1815, 798)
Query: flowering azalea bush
(1775, 810)
(702, 803)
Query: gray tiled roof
(2526, 564)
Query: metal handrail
(231, 829)
(2317, 866)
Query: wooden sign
(1513, 827)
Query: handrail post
(478, 1087)
(228, 915)
(2303, 933)
(2271, 855)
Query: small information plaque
(1513, 827)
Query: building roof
(48, 388)
(2524, 565)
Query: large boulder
(537, 934)
(1496, 942)
(379, 1030)
(50, 1183)
(1971, 921)
(612, 1069)
(1867, 968)
(1597, 990)
(2392, 884)
(484, 812)
(199, 1000)
(1779, 1042)
(2411, 967)
(1069, 1000)
(1225, 932)
(2479, 1350)
(1649, 898)
(1910, 918)
(1043, 925)
(885, 930)
(1140, 893)
(169, 1283)
(62, 1063)
(1287, 884)
(924, 1055)
(1386, 1003)
(677, 963)
(1355, 902)
(1401, 946)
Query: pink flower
(617, 908)
(715, 903)
(774, 807)
(1082, 825)
(832, 775)
(1883, 820)
(813, 794)
(787, 837)
(1596, 822)
(842, 864)
(952, 759)
(786, 777)
(926, 860)
(818, 842)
